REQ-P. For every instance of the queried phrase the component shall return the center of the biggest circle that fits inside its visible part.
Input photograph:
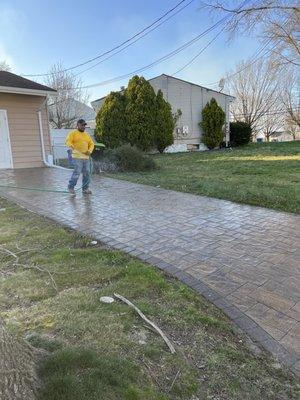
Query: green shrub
(165, 123)
(111, 121)
(129, 158)
(240, 133)
(140, 113)
(213, 120)
(137, 116)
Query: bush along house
(190, 98)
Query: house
(69, 112)
(24, 127)
(278, 136)
(285, 136)
(190, 98)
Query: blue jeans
(80, 167)
(70, 159)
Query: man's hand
(87, 153)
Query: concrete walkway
(244, 259)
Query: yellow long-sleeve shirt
(80, 143)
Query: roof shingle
(9, 79)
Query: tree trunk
(18, 377)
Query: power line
(249, 64)
(213, 39)
(121, 44)
(136, 40)
(199, 53)
(158, 61)
(166, 57)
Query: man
(82, 147)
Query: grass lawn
(105, 351)
(266, 175)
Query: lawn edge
(238, 318)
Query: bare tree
(66, 107)
(257, 92)
(291, 128)
(276, 21)
(4, 66)
(271, 124)
(290, 80)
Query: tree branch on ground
(16, 263)
(158, 330)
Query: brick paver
(245, 259)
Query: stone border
(255, 332)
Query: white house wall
(190, 99)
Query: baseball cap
(81, 121)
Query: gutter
(32, 92)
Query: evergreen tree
(213, 120)
(140, 113)
(111, 126)
(165, 123)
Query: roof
(13, 83)
(172, 77)
(194, 84)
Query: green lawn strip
(105, 351)
(266, 175)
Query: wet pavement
(244, 259)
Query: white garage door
(5, 149)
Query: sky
(36, 34)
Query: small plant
(213, 120)
(240, 133)
(128, 158)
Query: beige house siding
(24, 128)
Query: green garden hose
(97, 146)
(44, 189)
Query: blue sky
(35, 34)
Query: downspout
(42, 138)
(47, 163)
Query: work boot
(72, 191)
(87, 191)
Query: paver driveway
(245, 259)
